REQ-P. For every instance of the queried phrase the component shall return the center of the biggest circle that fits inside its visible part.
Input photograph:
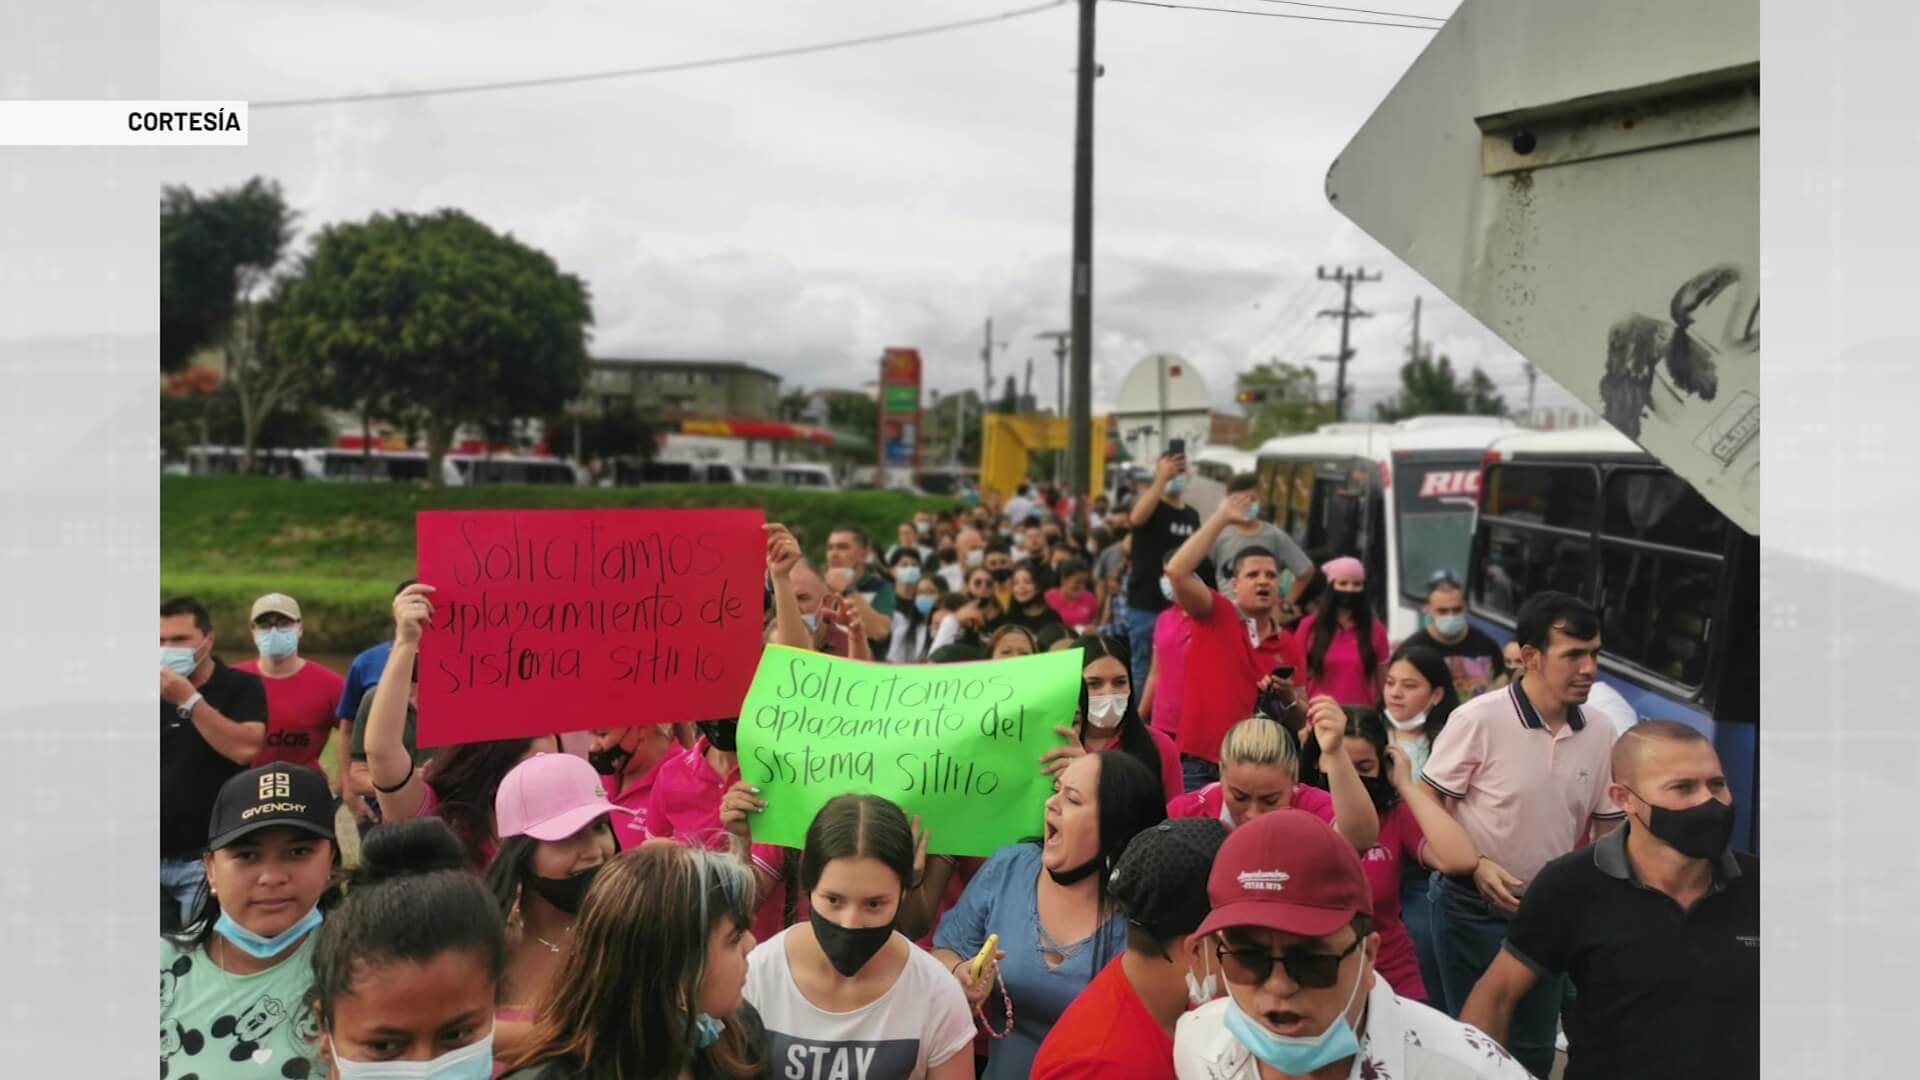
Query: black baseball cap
(1160, 882)
(281, 794)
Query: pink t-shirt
(1208, 802)
(1081, 611)
(1400, 841)
(1171, 778)
(685, 805)
(1345, 680)
(1172, 633)
(299, 713)
(632, 829)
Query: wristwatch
(185, 708)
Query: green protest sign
(957, 744)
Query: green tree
(855, 414)
(1429, 386)
(618, 432)
(438, 320)
(1281, 399)
(219, 254)
(1010, 397)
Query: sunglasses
(1311, 970)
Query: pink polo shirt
(1525, 794)
(685, 805)
(632, 830)
(1208, 802)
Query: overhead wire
(1277, 15)
(657, 69)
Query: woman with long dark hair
(407, 969)
(1109, 716)
(652, 988)
(1416, 700)
(1050, 904)
(845, 989)
(1416, 831)
(1027, 599)
(232, 979)
(1341, 641)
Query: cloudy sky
(803, 213)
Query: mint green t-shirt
(218, 1026)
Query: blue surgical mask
(1177, 486)
(925, 604)
(706, 1031)
(1253, 512)
(473, 1061)
(1450, 625)
(907, 575)
(812, 619)
(1297, 1055)
(263, 948)
(276, 644)
(179, 660)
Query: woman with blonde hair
(1260, 773)
(653, 987)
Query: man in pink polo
(1525, 771)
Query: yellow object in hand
(981, 961)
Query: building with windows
(674, 388)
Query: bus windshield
(1435, 503)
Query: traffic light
(1252, 396)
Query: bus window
(1344, 519)
(1658, 611)
(1518, 562)
(1273, 491)
(1661, 508)
(719, 474)
(1299, 520)
(1435, 500)
(1563, 496)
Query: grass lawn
(339, 549)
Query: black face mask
(1079, 873)
(1348, 601)
(849, 948)
(1002, 575)
(1698, 832)
(566, 893)
(720, 734)
(610, 761)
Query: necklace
(1047, 944)
(551, 947)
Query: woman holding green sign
(1048, 903)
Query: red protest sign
(552, 621)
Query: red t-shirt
(1080, 611)
(299, 713)
(1106, 1032)
(1400, 841)
(1224, 669)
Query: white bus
(1400, 497)
(456, 470)
(1220, 463)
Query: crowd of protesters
(1277, 846)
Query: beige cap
(278, 603)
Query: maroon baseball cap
(1287, 871)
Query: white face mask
(1105, 711)
(1412, 723)
(975, 558)
(1201, 991)
(473, 1061)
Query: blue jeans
(1416, 912)
(1196, 773)
(1140, 643)
(1467, 933)
(182, 881)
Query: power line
(658, 69)
(1277, 15)
(1360, 11)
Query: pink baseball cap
(550, 797)
(1346, 566)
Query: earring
(513, 916)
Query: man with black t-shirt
(1658, 923)
(213, 720)
(1473, 658)
(1161, 521)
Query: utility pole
(1060, 338)
(987, 345)
(1347, 313)
(1533, 373)
(1080, 456)
(1026, 396)
(1416, 328)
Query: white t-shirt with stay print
(921, 1022)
